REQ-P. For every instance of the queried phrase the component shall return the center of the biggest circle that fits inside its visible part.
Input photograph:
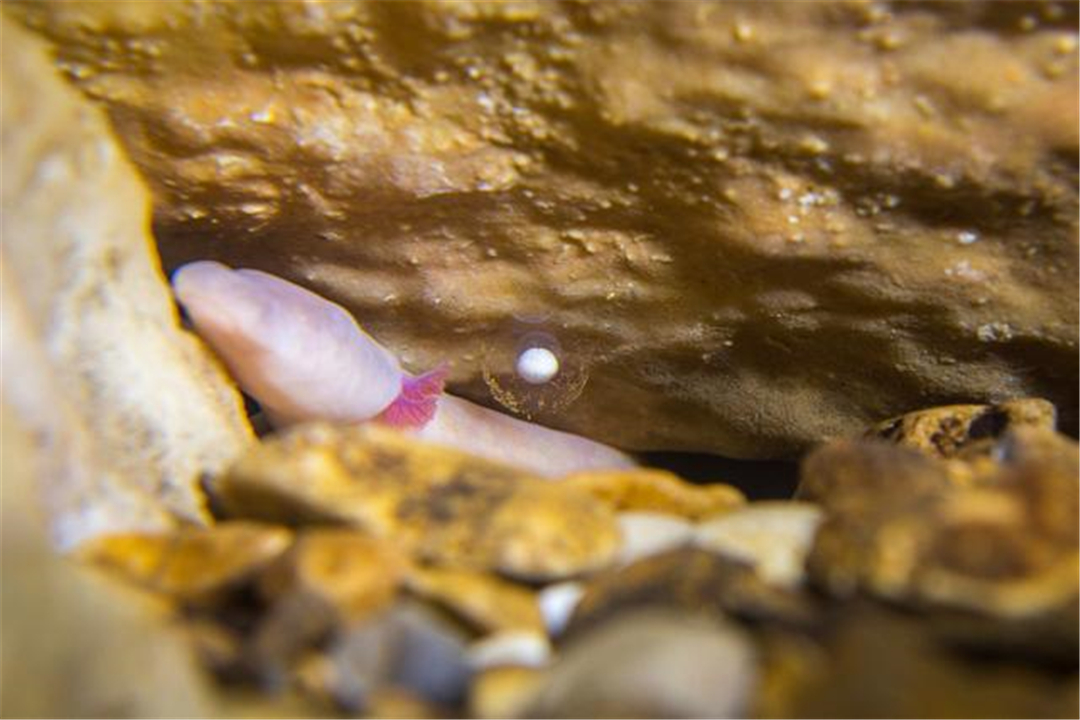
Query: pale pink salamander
(304, 358)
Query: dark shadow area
(758, 479)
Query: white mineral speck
(966, 237)
(995, 331)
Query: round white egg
(537, 365)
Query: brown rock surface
(126, 410)
(880, 662)
(687, 580)
(1007, 545)
(348, 573)
(436, 503)
(754, 224)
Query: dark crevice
(758, 479)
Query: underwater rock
(76, 643)
(127, 410)
(503, 692)
(657, 491)
(878, 661)
(651, 663)
(687, 580)
(486, 603)
(648, 533)
(1006, 545)
(754, 225)
(433, 502)
(514, 648)
(963, 430)
(350, 574)
(774, 537)
(195, 566)
(408, 647)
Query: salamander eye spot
(530, 373)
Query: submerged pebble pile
(928, 568)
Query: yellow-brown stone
(963, 430)
(193, 565)
(353, 574)
(503, 692)
(433, 502)
(485, 602)
(687, 580)
(658, 491)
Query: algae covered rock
(754, 225)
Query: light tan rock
(646, 534)
(754, 225)
(651, 664)
(74, 643)
(129, 410)
(775, 537)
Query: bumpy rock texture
(125, 410)
(441, 504)
(754, 224)
(931, 576)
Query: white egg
(537, 365)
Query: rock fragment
(435, 503)
(964, 430)
(775, 537)
(688, 580)
(1006, 546)
(350, 574)
(646, 534)
(651, 664)
(656, 491)
(194, 566)
(486, 603)
(128, 410)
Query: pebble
(518, 648)
(196, 566)
(774, 537)
(646, 533)
(652, 664)
(486, 603)
(557, 603)
(409, 647)
(503, 692)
